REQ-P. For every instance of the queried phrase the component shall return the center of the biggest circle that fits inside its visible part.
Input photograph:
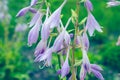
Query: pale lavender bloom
(32, 10)
(33, 2)
(97, 74)
(96, 67)
(22, 12)
(46, 57)
(88, 5)
(20, 27)
(65, 68)
(45, 32)
(41, 47)
(63, 36)
(59, 41)
(66, 35)
(51, 22)
(113, 3)
(83, 73)
(34, 32)
(85, 41)
(35, 18)
(86, 62)
(92, 24)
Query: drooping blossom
(85, 41)
(35, 18)
(95, 69)
(24, 10)
(92, 24)
(51, 22)
(88, 5)
(62, 39)
(83, 73)
(113, 3)
(46, 57)
(41, 47)
(87, 67)
(34, 32)
(86, 62)
(65, 67)
(33, 2)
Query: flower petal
(22, 12)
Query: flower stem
(74, 42)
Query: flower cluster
(62, 43)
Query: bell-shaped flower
(86, 62)
(22, 12)
(88, 5)
(46, 57)
(51, 22)
(65, 67)
(58, 41)
(92, 24)
(113, 3)
(32, 10)
(40, 49)
(96, 67)
(54, 19)
(35, 18)
(83, 73)
(34, 32)
(97, 74)
(66, 35)
(85, 41)
(33, 2)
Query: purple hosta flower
(88, 5)
(51, 22)
(113, 3)
(59, 41)
(32, 10)
(92, 24)
(20, 27)
(35, 18)
(85, 41)
(65, 67)
(46, 57)
(33, 2)
(83, 73)
(22, 12)
(87, 67)
(95, 69)
(62, 39)
(118, 42)
(86, 62)
(34, 32)
(40, 49)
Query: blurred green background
(17, 59)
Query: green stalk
(74, 44)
